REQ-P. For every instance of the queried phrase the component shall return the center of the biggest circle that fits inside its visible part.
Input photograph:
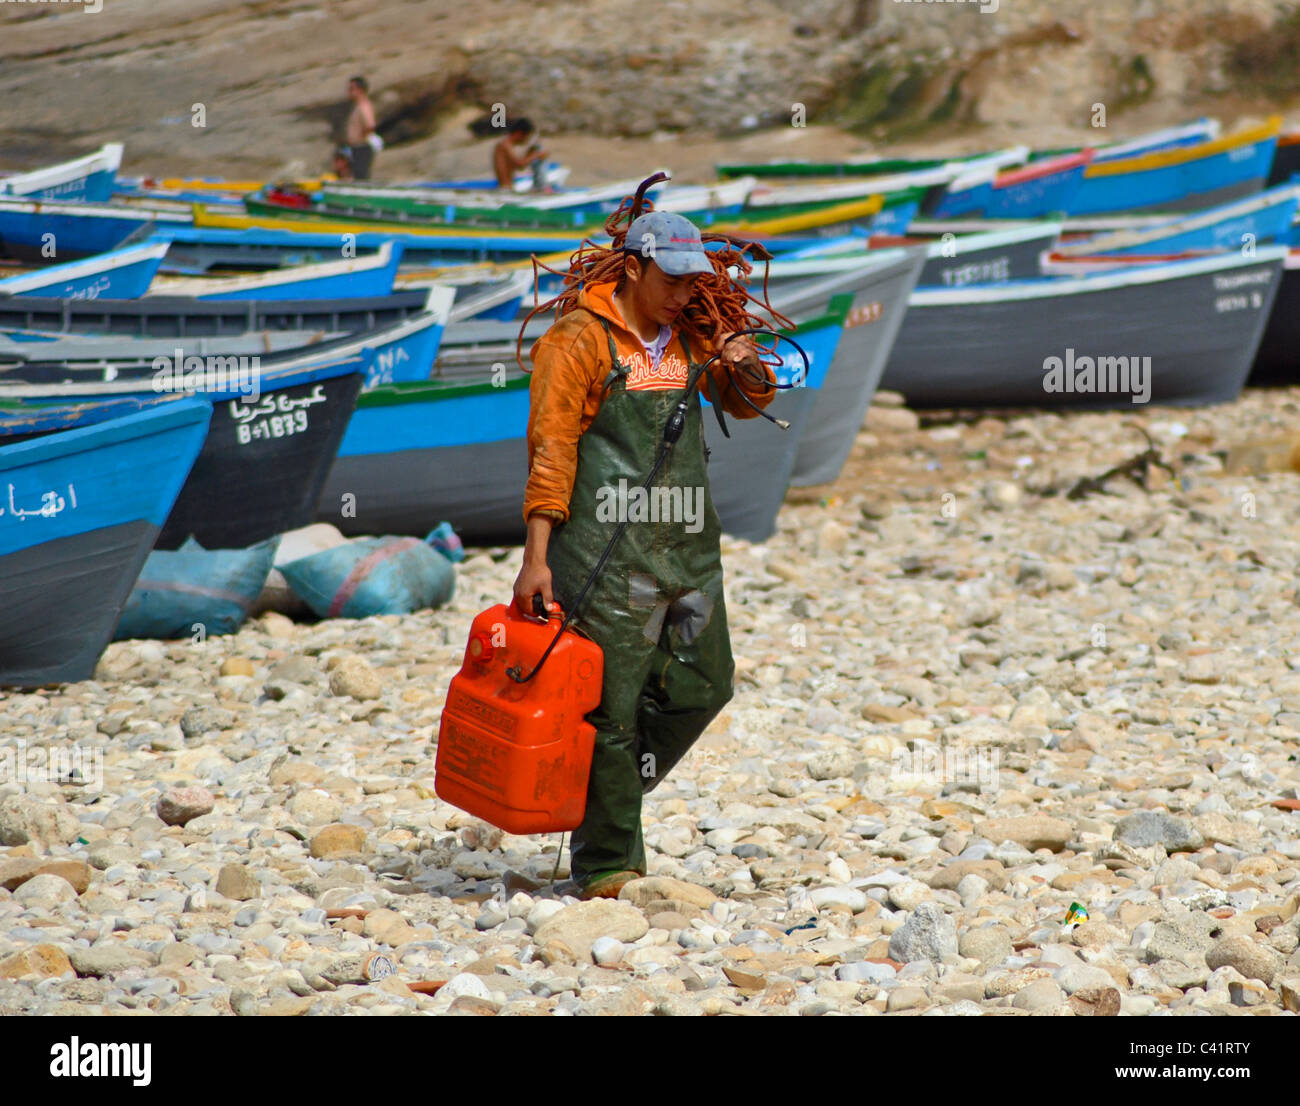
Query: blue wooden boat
(1200, 130)
(404, 330)
(204, 247)
(370, 274)
(79, 512)
(123, 274)
(276, 427)
(1036, 190)
(1182, 178)
(28, 228)
(1204, 129)
(402, 349)
(1183, 332)
(556, 175)
(86, 179)
(1268, 217)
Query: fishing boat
(451, 245)
(366, 275)
(572, 206)
(499, 296)
(1183, 332)
(28, 228)
(1167, 138)
(951, 261)
(1201, 130)
(186, 317)
(1286, 160)
(555, 177)
(86, 179)
(81, 510)
(276, 427)
(902, 192)
(1268, 217)
(867, 165)
(119, 274)
(1182, 178)
(702, 204)
(208, 186)
(880, 286)
(197, 250)
(1033, 191)
(436, 448)
(1278, 359)
(402, 348)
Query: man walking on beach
(606, 377)
(360, 135)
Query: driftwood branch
(1136, 468)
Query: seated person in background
(516, 150)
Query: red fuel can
(518, 755)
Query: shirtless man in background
(514, 152)
(361, 125)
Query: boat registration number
(1239, 302)
(277, 426)
(867, 313)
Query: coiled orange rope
(718, 305)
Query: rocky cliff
(702, 77)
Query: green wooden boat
(822, 169)
(387, 209)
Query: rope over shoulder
(719, 305)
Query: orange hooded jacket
(570, 364)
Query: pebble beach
(965, 702)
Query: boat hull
(66, 571)
(258, 477)
(841, 403)
(1180, 179)
(1199, 328)
(750, 471)
(62, 600)
(1277, 361)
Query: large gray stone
(1032, 831)
(576, 927)
(107, 959)
(1250, 958)
(1145, 828)
(1041, 994)
(928, 934)
(990, 945)
(23, 821)
(1186, 940)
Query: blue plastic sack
(183, 589)
(369, 576)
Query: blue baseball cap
(671, 241)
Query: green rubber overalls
(656, 610)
